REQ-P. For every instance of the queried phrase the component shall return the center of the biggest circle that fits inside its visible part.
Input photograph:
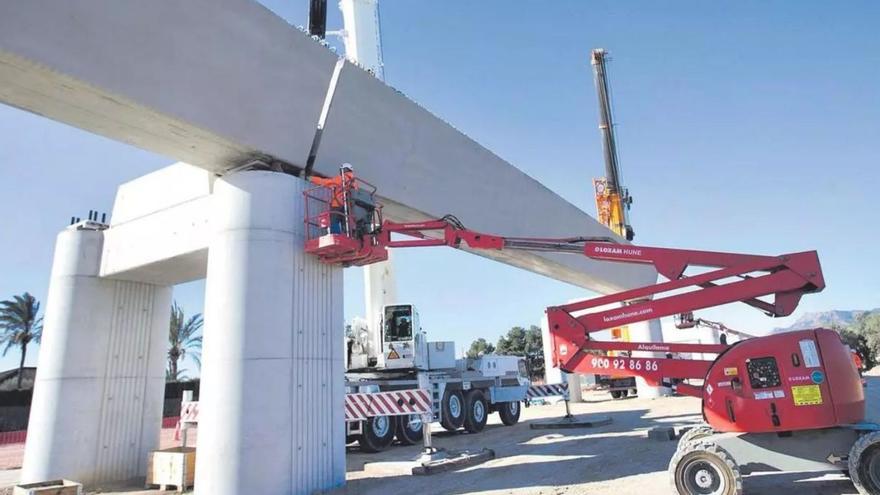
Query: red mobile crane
(784, 402)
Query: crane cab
(403, 343)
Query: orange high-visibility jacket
(335, 185)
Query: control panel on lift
(763, 372)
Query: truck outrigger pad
(442, 460)
(571, 422)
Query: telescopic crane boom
(612, 199)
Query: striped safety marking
(189, 412)
(397, 403)
(547, 390)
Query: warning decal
(393, 354)
(811, 355)
(806, 395)
(730, 372)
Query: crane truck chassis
(395, 356)
(784, 402)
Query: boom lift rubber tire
(409, 429)
(509, 412)
(378, 433)
(476, 411)
(452, 414)
(864, 464)
(702, 467)
(700, 431)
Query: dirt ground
(615, 459)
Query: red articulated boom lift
(784, 402)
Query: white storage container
(441, 355)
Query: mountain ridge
(827, 319)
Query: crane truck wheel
(452, 413)
(701, 467)
(409, 429)
(476, 411)
(509, 412)
(378, 433)
(864, 464)
(616, 394)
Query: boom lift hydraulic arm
(728, 278)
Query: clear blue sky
(748, 126)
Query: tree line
(518, 341)
(863, 336)
(21, 324)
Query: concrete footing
(97, 406)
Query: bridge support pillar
(271, 400)
(97, 406)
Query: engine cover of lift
(785, 382)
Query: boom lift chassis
(785, 402)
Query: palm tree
(20, 325)
(183, 340)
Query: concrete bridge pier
(97, 405)
(271, 416)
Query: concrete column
(648, 331)
(271, 417)
(97, 405)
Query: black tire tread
(855, 457)
(507, 417)
(371, 444)
(706, 446)
(404, 435)
(470, 423)
(445, 421)
(699, 431)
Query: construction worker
(857, 360)
(340, 187)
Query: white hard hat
(346, 166)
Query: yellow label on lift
(730, 372)
(806, 395)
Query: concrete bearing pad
(448, 460)
(571, 422)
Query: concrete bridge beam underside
(217, 83)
